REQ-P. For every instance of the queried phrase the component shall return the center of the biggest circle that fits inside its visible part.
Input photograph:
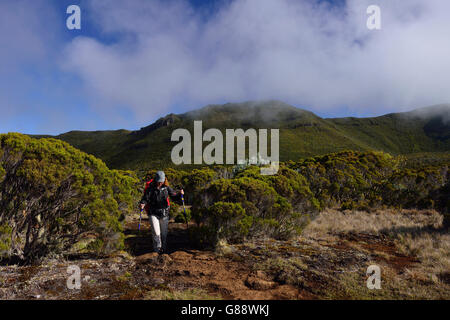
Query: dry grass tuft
(414, 233)
(189, 294)
(334, 221)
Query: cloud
(29, 42)
(148, 58)
(21, 32)
(315, 55)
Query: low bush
(249, 206)
(52, 194)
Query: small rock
(124, 255)
(259, 284)
(181, 255)
(203, 257)
(148, 257)
(158, 281)
(114, 267)
(165, 258)
(182, 272)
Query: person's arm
(175, 195)
(143, 201)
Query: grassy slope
(302, 133)
(392, 133)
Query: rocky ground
(329, 261)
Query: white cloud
(28, 48)
(317, 56)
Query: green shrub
(245, 207)
(2, 173)
(180, 218)
(52, 194)
(364, 180)
(5, 240)
(228, 221)
(235, 203)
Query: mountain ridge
(302, 133)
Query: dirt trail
(185, 266)
(324, 265)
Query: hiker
(156, 202)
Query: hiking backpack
(158, 198)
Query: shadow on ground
(140, 242)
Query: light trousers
(159, 232)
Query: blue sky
(134, 61)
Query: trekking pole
(140, 218)
(184, 208)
